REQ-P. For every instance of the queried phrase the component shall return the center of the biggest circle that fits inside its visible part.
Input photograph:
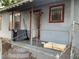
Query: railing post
(72, 40)
(57, 56)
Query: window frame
(62, 14)
(10, 22)
(15, 15)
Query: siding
(48, 32)
(4, 32)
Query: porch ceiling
(40, 2)
(27, 4)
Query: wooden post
(31, 26)
(12, 20)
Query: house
(44, 20)
(49, 30)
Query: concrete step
(18, 53)
(18, 50)
(19, 56)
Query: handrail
(73, 32)
(68, 47)
(75, 22)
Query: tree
(7, 2)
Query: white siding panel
(55, 36)
(47, 33)
(4, 32)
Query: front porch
(34, 51)
(47, 39)
(34, 19)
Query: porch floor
(26, 44)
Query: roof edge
(16, 4)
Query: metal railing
(74, 40)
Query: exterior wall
(4, 32)
(55, 32)
(25, 24)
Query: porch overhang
(28, 4)
(16, 6)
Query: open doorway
(36, 26)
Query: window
(17, 21)
(56, 13)
(0, 22)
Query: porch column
(31, 40)
(12, 26)
(12, 20)
(72, 30)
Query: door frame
(37, 10)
